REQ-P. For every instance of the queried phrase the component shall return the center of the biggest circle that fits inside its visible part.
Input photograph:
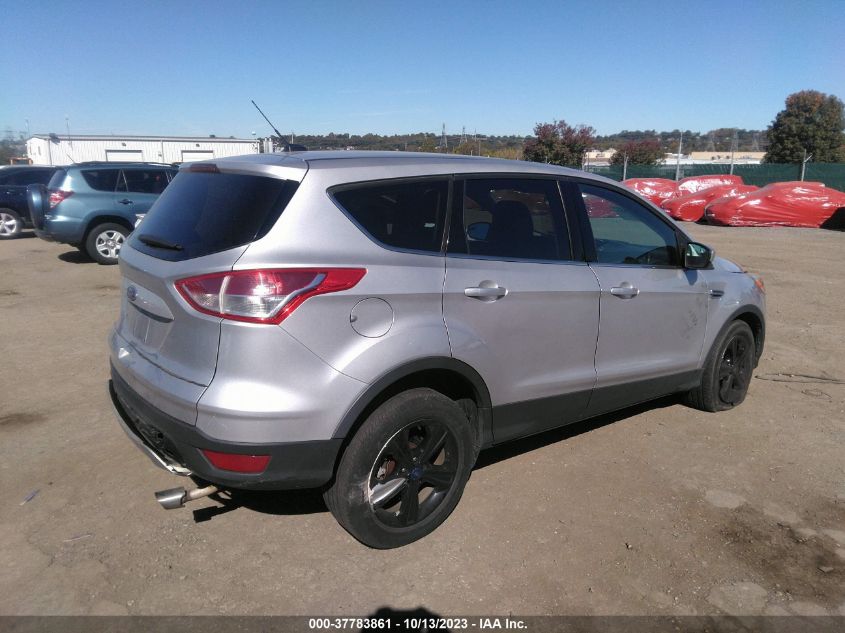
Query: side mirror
(478, 231)
(698, 256)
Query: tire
(404, 471)
(11, 224)
(727, 371)
(104, 241)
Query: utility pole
(444, 143)
(27, 127)
(734, 141)
(625, 166)
(804, 162)
(678, 162)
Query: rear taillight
(57, 195)
(263, 296)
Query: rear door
(518, 307)
(653, 311)
(138, 189)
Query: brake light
(57, 195)
(204, 168)
(265, 295)
(238, 463)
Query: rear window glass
(204, 213)
(22, 177)
(407, 215)
(101, 179)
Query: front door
(517, 307)
(653, 311)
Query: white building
(52, 149)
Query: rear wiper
(159, 242)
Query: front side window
(408, 215)
(625, 232)
(510, 218)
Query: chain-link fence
(831, 174)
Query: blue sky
(191, 68)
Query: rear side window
(510, 218)
(101, 179)
(23, 177)
(143, 181)
(203, 213)
(408, 215)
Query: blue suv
(94, 206)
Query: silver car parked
(368, 322)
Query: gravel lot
(656, 510)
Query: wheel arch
(95, 221)
(753, 316)
(449, 376)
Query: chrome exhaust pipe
(178, 497)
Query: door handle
(625, 290)
(486, 291)
(125, 201)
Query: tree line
(810, 127)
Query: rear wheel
(727, 371)
(404, 470)
(10, 224)
(104, 242)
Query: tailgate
(158, 323)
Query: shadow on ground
(76, 257)
(296, 502)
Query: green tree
(559, 144)
(639, 153)
(467, 148)
(427, 144)
(813, 122)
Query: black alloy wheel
(413, 473)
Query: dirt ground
(656, 510)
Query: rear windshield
(203, 213)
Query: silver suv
(368, 322)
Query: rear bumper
(176, 446)
(61, 229)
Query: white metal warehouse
(52, 149)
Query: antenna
(69, 140)
(279, 134)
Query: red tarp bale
(690, 207)
(655, 189)
(693, 184)
(808, 204)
